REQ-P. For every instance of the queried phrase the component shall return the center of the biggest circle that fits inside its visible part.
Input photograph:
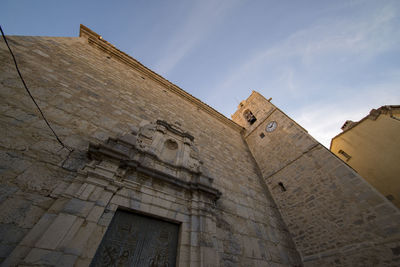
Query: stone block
(82, 262)
(161, 202)
(104, 198)
(67, 260)
(134, 204)
(94, 242)
(38, 177)
(77, 244)
(71, 233)
(85, 191)
(185, 238)
(106, 218)
(120, 201)
(209, 257)
(37, 231)
(148, 199)
(72, 189)
(43, 257)
(11, 234)
(158, 211)
(76, 160)
(97, 181)
(19, 211)
(58, 205)
(78, 207)
(251, 247)
(96, 194)
(95, 214)
(124, 192)
(182, 217)
(39, 200)
(194, 239)
(56, 232)
(16, 256)
(5, 250)
(6, 190)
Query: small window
(283, 188)
(249, 116)
(344, 154)
(390, 197)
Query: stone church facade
(152, 176)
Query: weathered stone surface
(67, 260)
(19, 211)
(95, 214)
(93, 95)
(77, 244)
(38, 230)
(43, 257)
(37, 177)
(330, 211)
(56, 231)
(78, 207)
(76, 160)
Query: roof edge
(372, 115)
(97, 40)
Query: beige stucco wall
(374, 147)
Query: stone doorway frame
(122, 176)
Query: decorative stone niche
(159, 149)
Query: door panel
(137, 240)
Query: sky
(323, 62)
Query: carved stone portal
(143, 199)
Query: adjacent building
(371, 146)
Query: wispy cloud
(312, 64)
(364, 36)
(200, 21)
(323, 120)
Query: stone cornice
(97, 41)
(135, 152)
(102, 151)
(172, 129)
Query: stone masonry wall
(334, 216)
(88, 95)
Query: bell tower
(322, 200)
(273, 138)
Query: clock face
(271, 126)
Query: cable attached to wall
(33, 99)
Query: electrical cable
(26, 88)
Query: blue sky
(322, 62)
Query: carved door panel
(136, 240)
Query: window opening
(249, 116)
(390, 197)
(347, 156)
(283, 188)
